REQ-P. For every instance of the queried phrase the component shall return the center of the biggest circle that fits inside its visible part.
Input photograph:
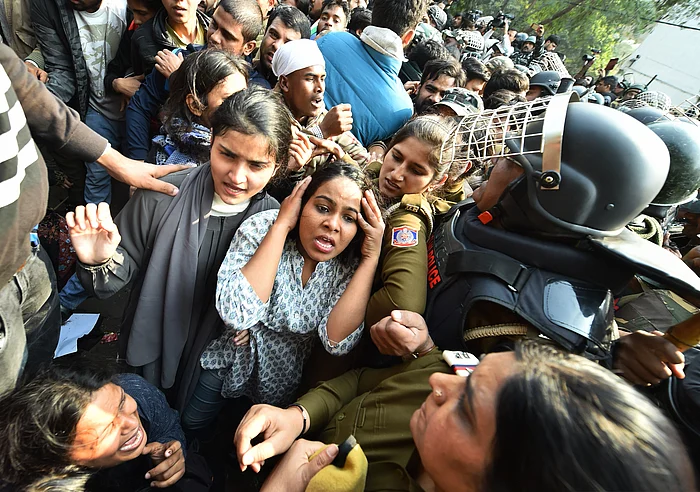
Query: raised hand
(94, 235)
(372, 224)
(300, 150)
(291, 206)
(412, 87)
(169, 460)
(325, 146)
(337, 121)
(167, 62)
(279, 427)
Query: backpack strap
(510, 271)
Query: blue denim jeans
(205, 404)
(73, 293)
(98, 184)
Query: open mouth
(324, 244)
(318, 102)
(233, 190)
(134, 441)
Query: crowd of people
(318, 209)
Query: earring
(438, 393)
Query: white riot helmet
(472, 41)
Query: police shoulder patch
(404, 237)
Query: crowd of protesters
(392, 225)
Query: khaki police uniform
(400, 281)
(376, 405)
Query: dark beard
(83, 6)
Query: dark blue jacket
(162, 424)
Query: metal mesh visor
(631, 104)
(551, 61)
(655, 99)
(608, 166)
(478, 137)
(690, 108)
(473, 41)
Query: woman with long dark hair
(288, 280)
(77, 426)
(203, 81)
(172, 247)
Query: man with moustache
(438, 77)
(233, 28)
(301, 69)
(285, 24)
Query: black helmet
(611, 168)
(647, 114)
(566, 85)
(588, 171)
(683, 143)
(548, 80)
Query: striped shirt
(23, 182)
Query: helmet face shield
(589, 170)
(480, 136)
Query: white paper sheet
(78, 325)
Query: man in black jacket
(233, 28)
(177, 25)
(79, 39)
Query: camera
(473, 15)
(591, 58)
(500, 19)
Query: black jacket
(57, 32)
(152, 37)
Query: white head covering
(295, 55)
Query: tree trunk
(572, 5)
